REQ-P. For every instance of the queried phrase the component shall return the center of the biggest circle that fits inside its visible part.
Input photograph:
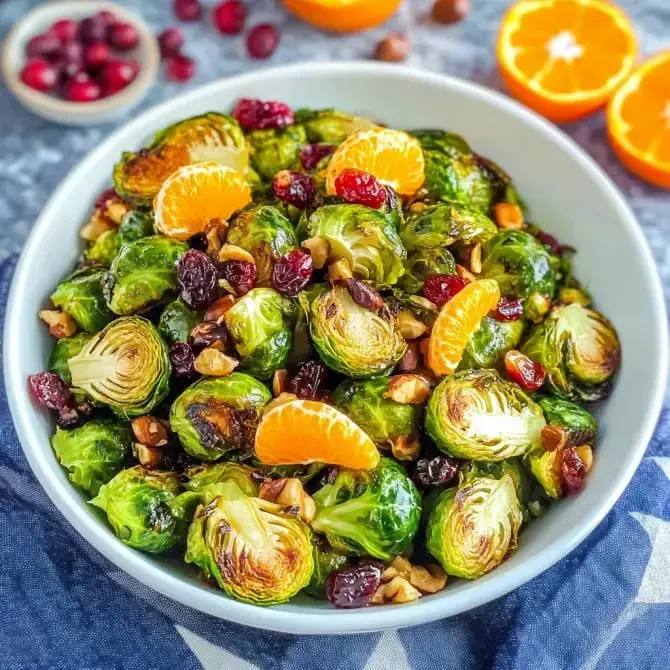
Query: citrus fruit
(195, 194)
(343, 15)
(457, 320)
(638, 121)
(565, 58)
(307, 431)
(392, 156)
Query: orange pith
(195, 194)
(343, 15)
(565, 58)
(638, 121)
(456, 321)
(307, 431)
(394, 157)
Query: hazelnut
(318, 248)
(507, 215)
(149, 457)
(218, 308)
(450, 11)
(150, 431)
(410, 359)
(428, 579)
(214, 363)
(339, 270)
(60, 324)
(553, 437)
(280, 381)
(394, 48)
(408, 389)
(406, 448)
(410, 327)
(231, 252)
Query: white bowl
(147, 54)
(568, 195)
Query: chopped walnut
(149, 457)
(508, 216)
(402, 567)
(408, 389)
(97, 225)
(410, 327)
(214, 363)
(586, 454)
(464, 273)
(406, 447)
(217, 309)
(281, 399)
(318, 248)
(339, 270)
(150, 431)
(430, 578)
(231, 252)
(410, 360)
(280, 381)
(60, 324)
(115, 210)
(215, 233)
(289, 493)
(398, 590)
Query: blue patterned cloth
(63, 605)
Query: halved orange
(343, 15)
(394, 157)
(457, 320)
(307, 431)
(195, 194)
(565, 58)
(638, 121)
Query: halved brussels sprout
(138, 176)
(93, 453)
(126, 366)
(304, 473)
(138, 504)
(273, 150)
(142, 273)
(423, 262)
(472, 528)
(260, 324)
(266, 234)
(176, 322)
(579, 349)
(580, 426)
(330, 126)
(326, 559)
(365, 237)
(217, 415)
(63, 351)
(352, 339)
(104, 249)
(441, 140)
(369, 512)
(476, 414)
(488, 345)
(512, 467)
(256, 550)
(545, 466)
(200, 478)
(81, 296)
(134, 226)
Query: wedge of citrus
(457, 320)
(307, 431)
(195, 194)
(394, 157)
(565, 58)
(343, 15)
(638, 121)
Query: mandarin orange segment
(394, 157)
(457, 320)
(343, 15)
(195, 194)
(307, 431)
(565, 58)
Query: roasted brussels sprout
(135, 225)
(330, 126)
(125, 366)
(63, 351)
(579, 349)
(354, 340)
(580, 426)
(369, 512)
(545, 466)
(423, 262)
(476, 414)
(441, 140)
(487, 346)
(266, 234)
(93, 453)
(200, 478)
(218, 415)
(326, 559)
(104, 249)
(273, 150)
(176, 322)
(512, 467)
(81, 296)
(138, 176)
(472, 528)
(142, 273)
(261, 327)
(256, 550)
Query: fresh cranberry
(107, 18)
(442, 288)
(183, 361)
(240, 275)
(229, 17)
(208, 334)
(180, 68)
(50, 390)
(123, 36)
(96, 55)
(65, 30)
(116, 75)
(508, 309)
(170, 41)
(187, 10)
(291, 272)
(43, 46)
(262, 41)
(81, 88)
(308, 379)
(69, 60)
(39, 74)
(92, 29)
(294, 188)
(438, 471)
(572, 472)
(364, 295)
(361, 188)
(353, 587)
(254, 114)
(523, 371)
(197, 279)
(313, 154)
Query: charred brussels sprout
(125, 366)
(138, 504)
(81, 296)
(476, 414)
(274, 150)
(579, 349)
(142, 273)
(177, 321)
(93, 453)
(104, 249)
(423, 262)
(330, 126)
(255, 550)
(326, 559)
(369, 512)
(135, 225)
(63, 351)
(261, 327)
(216, 416)
(580, 426)
(352, 339)
(512, 467)
(489, 343)
(472, 528)
(138, 176)
(441, 140)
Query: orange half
(343, 15)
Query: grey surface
(35, 155)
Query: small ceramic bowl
(147, 54)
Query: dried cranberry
(180, 68)
(38, 74)
(170, 41)
(313, 154)
(440, 289)
(183, 361)
(228, 17)
(240, 275)
(124, 36)
(208, 334)
(256, 114)
(96, 55)
(508, 309)
(294, 188)
(308, 379)
(64, 30)
(106, 196)
(197, 279)
(50, 390)
(187, 10)
(438, 471)
(353, 587)
(523, 371)
(364, 295)
(42, 46)
(572, 472)
(68, 417)
(549, 241)
(81, 88)
(291, 272)
(262, 41)
(361, 188)
(92, 29)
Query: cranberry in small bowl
(79, 63)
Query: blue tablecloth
(62, 605)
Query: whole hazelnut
(450, 11)
(394, 48)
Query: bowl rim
(315, 621)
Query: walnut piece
(149, 457)
(115, 210)
(60, 324)
(475, 258)
(290, 493)
(398, 590)
(464, 273)
(231, 252)
(96, 226)
(215, 233)
(217, 309)
(408, 389)
(150, 431)
(410, 327)
(318, 248)
(214, 363)
(339, 270)
(430, 578)
(406, 447)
